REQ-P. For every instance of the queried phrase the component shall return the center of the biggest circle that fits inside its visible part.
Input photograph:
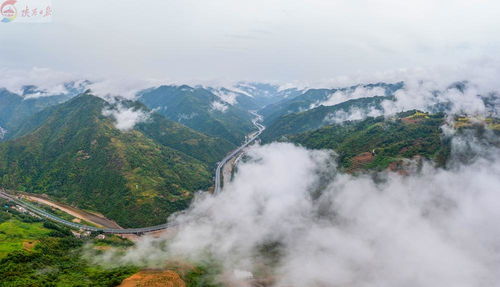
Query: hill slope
(137, 177)
(16, 108)
(378, 143)
(264, 94)
(199, 109)
(323, 115)
(327, 97)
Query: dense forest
(75, 154)
(375, 143)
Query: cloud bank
(350, 94)
(266, 39)
(125, 118)
(454, 98)
(51, 82)
(218, 106)
(291, 217)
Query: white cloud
(227, 97)
(422, 93)
(425, 95)
(47, 80)
(435, 228)
(354, 114)
(266, 40)
(3, 132)
(125, 118)
(218, 106)
(124, 87)
(341, 96)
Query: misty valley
(263, 143)
(204, 186)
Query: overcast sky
(270, 40)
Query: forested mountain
(265, 94)
(200, 109)
(138, 177)
(315, 97)
(380, 142)
(323, 115)
(235, 98)
(16, 108)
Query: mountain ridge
(79, 157)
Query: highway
(44, 214)
(218, 176)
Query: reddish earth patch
(415, 144)
(154, 278)
(412, 120)
(362, 159)
(398, 166)
(405, 166)
(92, 217)
(29, 244)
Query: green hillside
(389, 140)
(38, 253)
(137, 178)
(315, 118)
(266, 94)
(194, 107)
(17, 108)
(375, 143)
(292, 105)
(313, 97)
(240, 100)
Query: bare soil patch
(362, 159)
(29, 244)
(97, 219)
(154, 278)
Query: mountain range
(17, 107)
(74, 153)
(200, 109)
(72, 147)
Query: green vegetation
(311, 97)
(18, 230)
(14, 233)
(315, 118)
(202, 276)
(375, 143)
(15, 108)
(405, 136)
(138, 178)
(112, 241)
(57, 262)
(39, 253)
(294, 105)
(193, 107)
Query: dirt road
(94, 218)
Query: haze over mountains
(223, 143)
(136, 162)
(76, 154)
(17, 107)
(143, 159)
(161, 148)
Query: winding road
(218, 176)
(44, 214)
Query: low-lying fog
(325, 228)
